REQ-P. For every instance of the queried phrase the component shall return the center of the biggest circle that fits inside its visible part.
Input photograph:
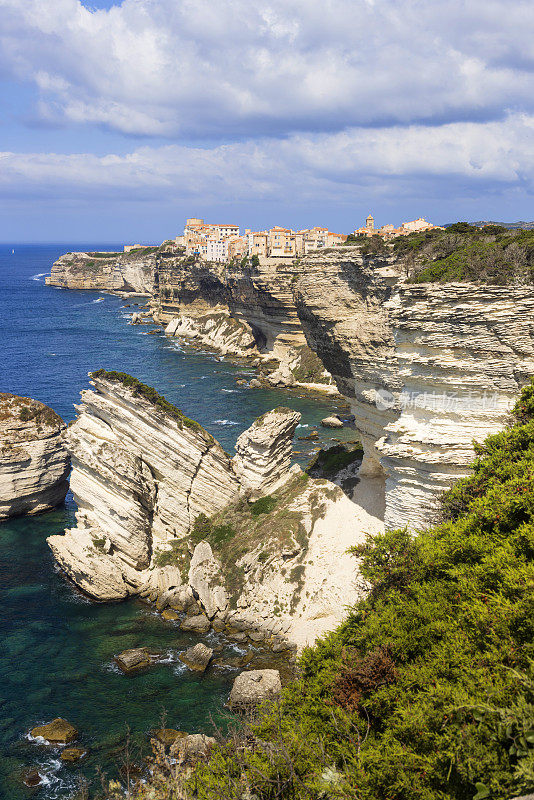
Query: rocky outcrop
(216, 330)
(253, 687)
(264, 451)
(34, 463)
(427, 368)
(111, 272)
(239, 310)
(142, 473)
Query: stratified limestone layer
(427, 368)
(112, 272)
(34, 463)
(263, 452)
(142, 473)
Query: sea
(56, 646)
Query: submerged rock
(168, 736)
(197, 658)
(34, 462)
(71, 754)
(32, 778)
(133, 660)
(59, 731)
(253, 687)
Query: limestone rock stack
(142, 473)
(34, 463)
(263, 452)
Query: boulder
(253, 687)
(331, 422)
(255, 384)
(197, 658)
(205, 578)
(59, 731)
(182, 599)
(133, 660)
(32, 778)
(73, 754)
(169, 615)
(198, 624)
(195, 746)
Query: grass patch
(241, 528)
(262, 506)
(310, 367)
(329, 462)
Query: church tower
(370, 223)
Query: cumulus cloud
(232, 68)
(301, 166)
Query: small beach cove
(58, 647)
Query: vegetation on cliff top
(149, 393)
(463, 252)
(427, 690)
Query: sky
(120, 119)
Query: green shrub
(150, 394)
(426, 691)
(262, 506)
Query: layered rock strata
(34, 463)
(142, 473)
(427, 368)
(241, 311)
(110, 272)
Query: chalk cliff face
(238, 310)
(427, 368)
(112, 272)
(34, 463)
(142, 473)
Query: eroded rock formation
(111, 272)
(427, 368)
(142, 473)
(264, 452)
(34, 463)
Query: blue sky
(118, 120)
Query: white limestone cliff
(34, 463)
(428, 368)
(142, 473)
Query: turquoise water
(56, 647)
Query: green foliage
(150, 394)
(262, 506)
(426, 691)
(374, 246)
(464, 252)
(177, 556)
(255, 260)
(332, 460)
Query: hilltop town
(217, 242)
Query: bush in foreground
(427, 690)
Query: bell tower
(370, 223)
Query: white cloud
(329, 166)
(226, 68)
